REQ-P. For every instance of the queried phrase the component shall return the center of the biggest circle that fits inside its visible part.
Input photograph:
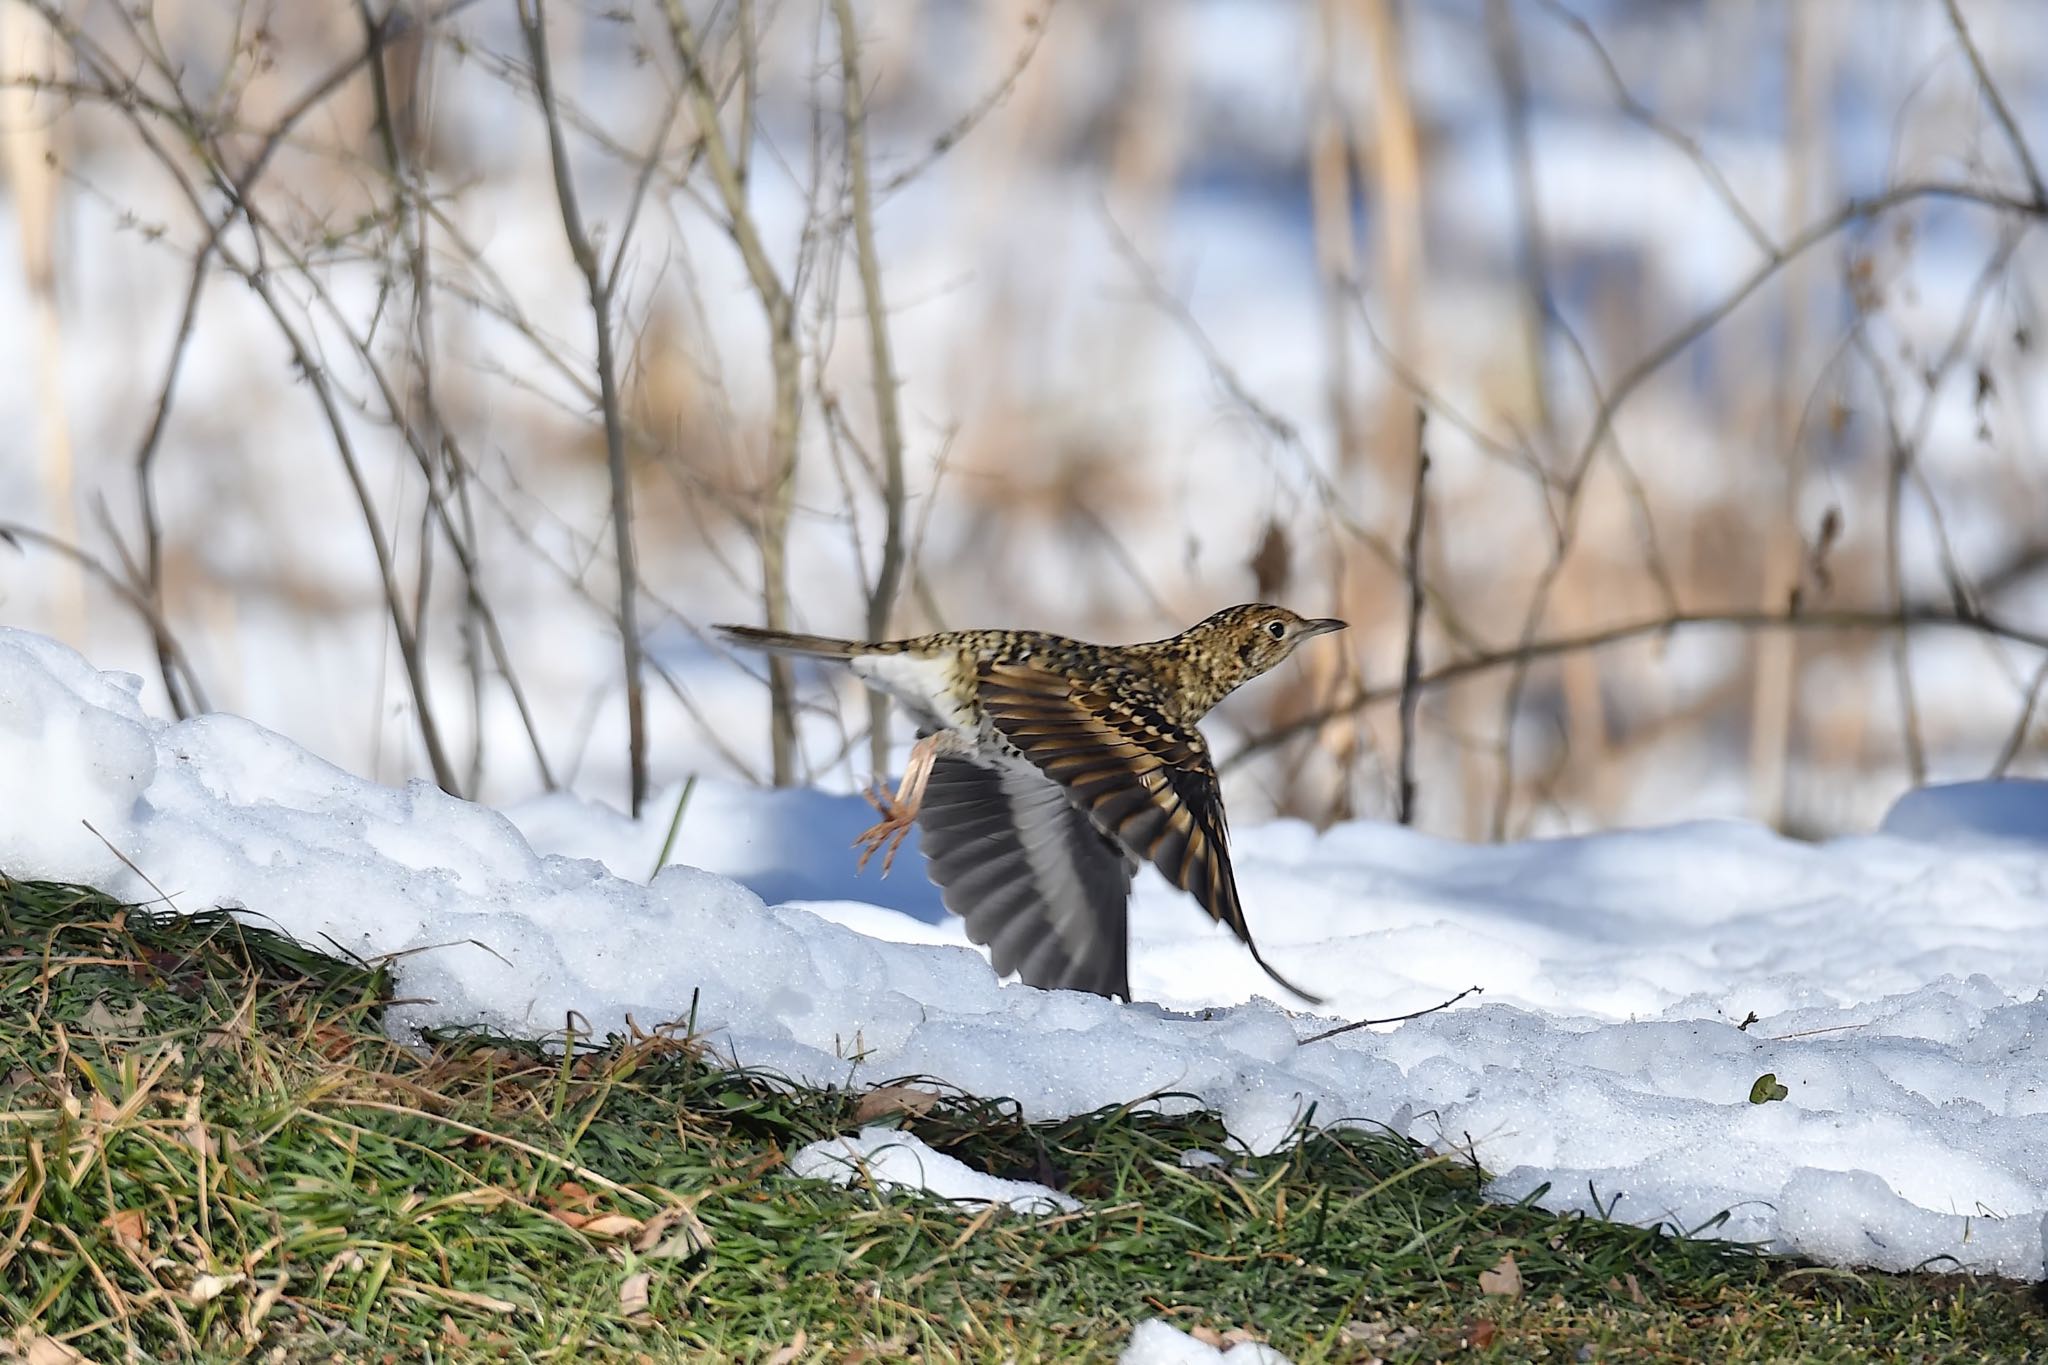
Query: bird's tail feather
(784, 642)
(1281, 980)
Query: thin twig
(128, 862)
(1532, 264)
(160, 631)
(462, 539)
(2016, 739)
(120, 92)
(1411, 663)
(1626, 101)
(1999, 109)
(888, 423)
(1035, 26)
(1898, 460)
(1840, 620)
(1532, 252)
(1278, 427)
(786, 364)
(1390, 1019)
(533, 21)
(1850, 212)
(387, 571)
(254, 274)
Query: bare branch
(1847, 214)
(1898, 461)
(2023, 724)
(1999, 109)
(1626, 101)
(888, 424)
(1282, 431)
(1034, 26)
(1411, 661)
(533, 22)
(786, 363)
(1912, 616)
(160, 631)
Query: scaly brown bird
(1047, 768)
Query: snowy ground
(1895, 979)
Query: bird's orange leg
(899, 809)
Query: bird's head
(1242, 642)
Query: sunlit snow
(1895, 979)
(890, 1159)
(1154, 1342)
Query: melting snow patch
(1854, 1218)
(894, 1160)
(1637, 984)
(1155, 1342)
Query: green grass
(209, 1150)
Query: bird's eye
(1277, 629)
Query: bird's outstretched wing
(1037, 883)
(1143, 780)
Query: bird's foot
(889, 832)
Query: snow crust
(894, 1160)
(1895, 979)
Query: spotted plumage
(1047, 769)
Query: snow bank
(1895, 982)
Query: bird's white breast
(929, 686)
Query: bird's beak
(1311, 629)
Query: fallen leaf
(571, 1194)
(1379, 1336)
(265, 1300)
(333, 1041)
(207, 1288)
(1635, 1290)
(633, 1294)
(50, 1351)
(571, 1203)
(103, 1019)
(610, 1225)
(1504, 1281)
(1482, 1333)
(785, 1354)
(1767, 1089)
(674, 1234)
(884, 1100)
(127, 1227)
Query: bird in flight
(1047, 769)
